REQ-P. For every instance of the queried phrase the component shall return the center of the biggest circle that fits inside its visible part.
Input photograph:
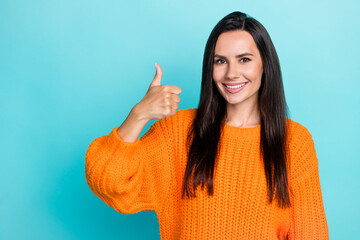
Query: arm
(308, 219)
(131, 176)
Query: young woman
(257, 169)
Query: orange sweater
(148, 175)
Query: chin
(233, 101)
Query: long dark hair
(204, 133)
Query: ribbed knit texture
(148, 175)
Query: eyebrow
(238, 56)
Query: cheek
(217, 74)
(253, 72)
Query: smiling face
(237, 68)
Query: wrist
(138, 114)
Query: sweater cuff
(115, 139)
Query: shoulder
(303, 157)
(297, 133)
(299, 138)
(179, 122)
(182, 117)
(186, 114)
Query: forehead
(235, 42)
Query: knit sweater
(148, 175)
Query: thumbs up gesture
(160, 101)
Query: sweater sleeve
(131, 176)
(308, 220)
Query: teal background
(70, 71)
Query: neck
(243, 115)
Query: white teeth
(236, 86)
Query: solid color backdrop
(70, 71)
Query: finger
(158, 75)
(174, 89)
(174, 105)
(175, 98)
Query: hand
(160, 101)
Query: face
(238, 78)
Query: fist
(160, 101)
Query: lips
(235, 90)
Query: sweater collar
(237, 131)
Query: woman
(258, 170)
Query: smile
(235, 88)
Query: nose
(233, 71)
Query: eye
(217, 61)
(247, 59)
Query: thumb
(158, 75)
